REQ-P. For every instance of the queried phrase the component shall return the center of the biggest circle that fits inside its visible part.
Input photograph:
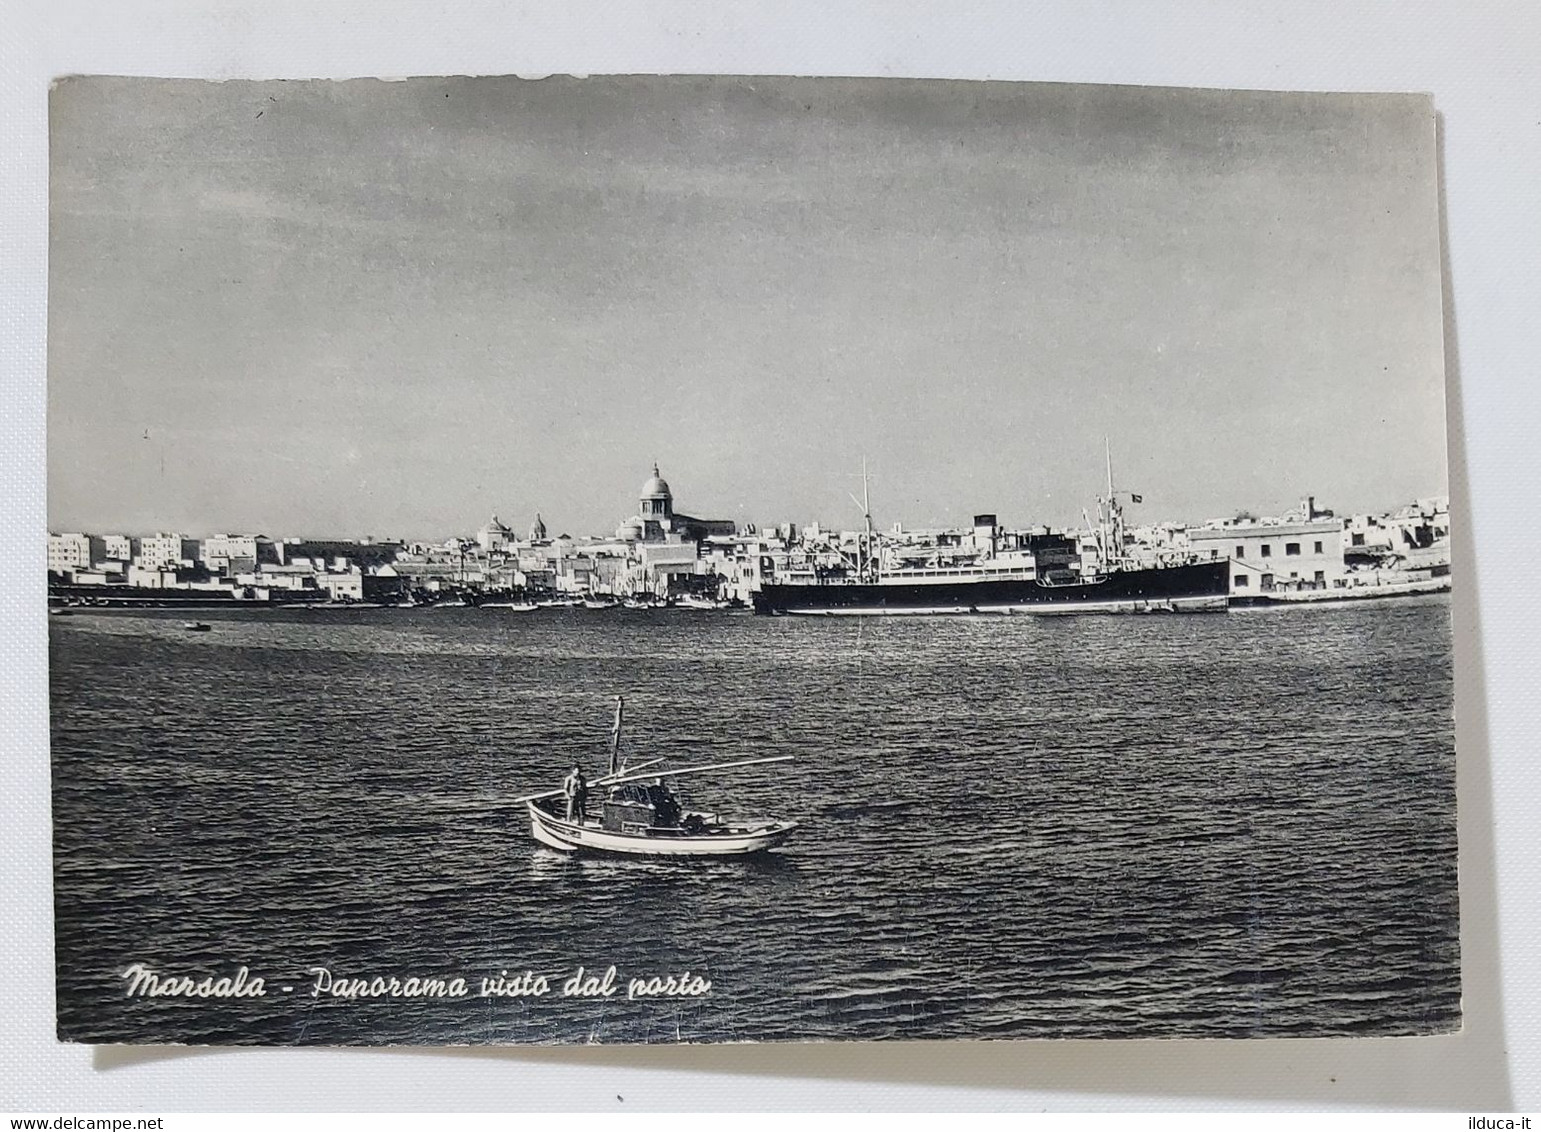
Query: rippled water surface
(1224, 825)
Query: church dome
(656, 487)
(537, 529)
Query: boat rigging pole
(694, 769)
(638, 775)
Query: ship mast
(1107, 518)
(864, 558)
(1112, 520)
(866, 514)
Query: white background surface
(1480, 62)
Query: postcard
(647, 559)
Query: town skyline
(401, 307)
(519, 522)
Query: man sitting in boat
(577, 792)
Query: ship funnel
(985, 531)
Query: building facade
(166, 552)
(495, 538)
(1269, 556)
(68, 553)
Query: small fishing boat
(197, 626)
(641, 815)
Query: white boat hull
(570, 837)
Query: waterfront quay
(662, 557)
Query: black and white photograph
(716, 559)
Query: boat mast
(615, 737)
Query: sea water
(1219, 825)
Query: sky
(395, 308)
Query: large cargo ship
(1189, 588)
(995, 573)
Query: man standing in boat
(577, 792)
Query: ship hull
(588, 836)
(1199, 587)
